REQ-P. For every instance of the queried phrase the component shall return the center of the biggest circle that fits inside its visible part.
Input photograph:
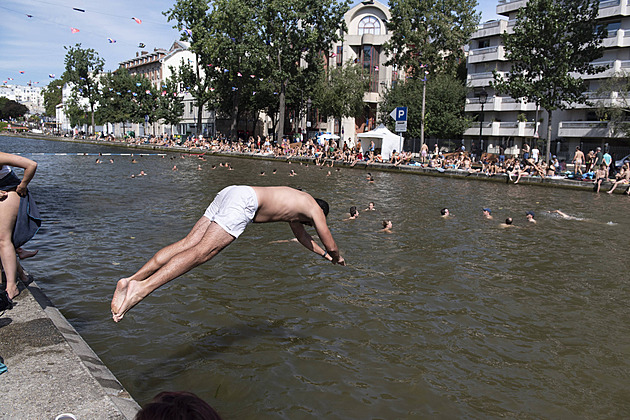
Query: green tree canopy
(82, 69)
(430, 33)
(340, 92)
(11, 109)
(53, 96)
(553, 42)
(444, 108)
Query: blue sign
(399, 114)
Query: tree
(552, 41)
(82, 69)
(617, 113)
(75, 111)
(53, 96)
(10, 109)
(444, 110)
(295, 33)
(170, 107)
(430, 33)
(192, 16)
(340, 92)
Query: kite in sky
(10, 78)
(51, 75)
(29, 16)
(141, 45)
(138, 21)
(74, 30)
(21, 71)
(111, 40)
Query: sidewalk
(51, 370)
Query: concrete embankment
(556, 182)
(51, 370)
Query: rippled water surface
(441, 318)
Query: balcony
(488, 29)
(583, 129)
(619, 38)
(610, 8)
(498, 104)
(481, 79)
(506, 6)
(481, 55)
(502, 129)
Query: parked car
(619, 163)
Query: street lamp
(483, 97)
(424, 94)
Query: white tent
(383, 139)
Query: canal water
(447, 318)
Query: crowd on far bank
(596, 166)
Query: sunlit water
(442, 318)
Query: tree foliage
(10, 109)
(616, 113)
(444, 107)
(279, 42)
(430, 33)
(340, 92)
(553, 41)
(82, 70)
(53, 96)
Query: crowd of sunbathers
(594, 166)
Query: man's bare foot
(126, 296)
(24, 254)
(609, 192)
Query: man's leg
(129, 292)
(8, 215)
(164, 255)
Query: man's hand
(340, 261)
(3, 195)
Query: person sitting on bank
(225, 219)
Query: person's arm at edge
(330, 253)
(28, 165)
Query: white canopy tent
(383, 139)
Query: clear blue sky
(35, 45)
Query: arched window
(369, 25)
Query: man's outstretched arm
(303, 237)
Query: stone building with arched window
(363, 43)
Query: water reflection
(442, 318)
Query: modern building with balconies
(507, 122)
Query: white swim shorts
(233, 209)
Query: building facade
(507, 122)
(30, 96)
(363, 44)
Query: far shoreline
(381, 167)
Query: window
(484, 43)
(610, 28)
(370, 61)
(369, 25)
(339, 55)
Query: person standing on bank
(16, 206)
(224, 220)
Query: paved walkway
(51, 370)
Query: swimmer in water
(445, 213)
(354, 213)
(508, 223)
(530, 217)
(487, 213)
(387, 226)
(370, 206)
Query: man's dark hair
(177, 405)
(324, 205)
(508, 221)
(443, 211)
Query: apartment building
(508, 122)
(30, 96)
